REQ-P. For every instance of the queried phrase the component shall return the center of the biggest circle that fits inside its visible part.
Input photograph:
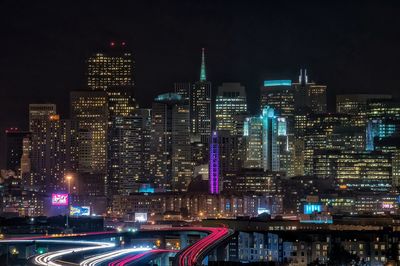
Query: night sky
(351, 47)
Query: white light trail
(96, 260)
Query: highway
(102, 258)
(141, 258)
(50, 258)
(188, 256)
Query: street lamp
(68, 177)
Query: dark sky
(352, 46)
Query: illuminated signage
(79, 211)
(262, 210)
(59, 199)
(140, 217)
(387, 205)
(311, 208)
(278, 82)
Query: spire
(303, 78)
(203, 66)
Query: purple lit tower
(214, 164)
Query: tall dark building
(309, 94)
(142, 145)
(14, 148)
(120, 141)
(171, 150)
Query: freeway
(50, 258)
(141, 258)
(102, 258)
(188, 256)
(192, 255)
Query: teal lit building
(261, 141)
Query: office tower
(61, 157)
(142, 145)
(391, 145)
(171, 150)
(54, 151)
(383, 120)
(257, 180)
(120, 141)
(121, 155)
(214, 178)
(356, 105)
(253, 137)
(39, 112)
(309, 94)
(230, 107)
(278, 94)
(200, 105)
(113, 67)
(90, 110)
(358, 171)
(262, 148)
(183, 89)
(326, 131)
(26, 162)
(120, 102)
(38, 116)
(230, 152)
(14, 148)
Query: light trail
(64, 235)
(96, 260)
(191, 254)
(137, 257)
(49, 257)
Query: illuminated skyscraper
(142, 145)
(90, 110)
(383, 120)
(278, 94)
(200, 105)
(120, 141)
(310, 95)
(38, 116)
(325, 131)
(214, 178)
(261, 137)
(54, 146)
(355, 171)
(230, 107)
(171, 150)
(111, 68)
(26, 162)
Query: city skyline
(188, 133)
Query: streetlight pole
(69, 177)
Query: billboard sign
(140, 217)
(79, 211)
(59, 199)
